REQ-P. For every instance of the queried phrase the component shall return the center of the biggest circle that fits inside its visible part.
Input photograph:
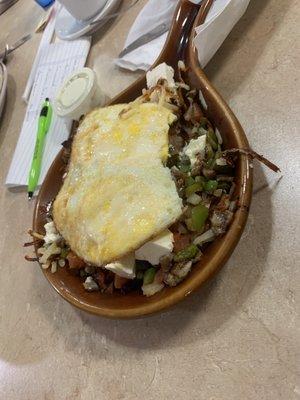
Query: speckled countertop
(238, 337)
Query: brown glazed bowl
(178, 47)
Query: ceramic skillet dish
(178, 47)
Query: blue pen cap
(45, 3)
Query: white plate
(3, 84)
(69, 28)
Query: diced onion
(232, 206)
(183, 86)
(181, 65)
(207, 236)
(53, 249)
(221, 161)
(152, 288)
(46, 265)
(61, 262)
(218, 192)
(194, 199)
(53, 267)
(219, 137)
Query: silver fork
(9, 49)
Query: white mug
(83, 9)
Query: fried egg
(117, 194)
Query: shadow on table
(247, 42)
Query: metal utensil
(153, 34)
(147, 37)
(5, 4)
(3, 72)
(10, 49)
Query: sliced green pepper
(188, 253)
(189, 181)
(199, 215)
(189, 224)
(200, 179)
(209, 152)
(212, 139)
(140, 275)
(184, 164)
(149, 276)
(64, 252)
(210, 163)
(218, 154)
(203, 123)
(210, 186)
(196, 187)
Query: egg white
(117, 193)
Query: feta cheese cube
(51, 233)
(195, 147)
(153, 250)
(125, 267)
(162, 71)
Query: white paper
(46, 39)
(222, 17)
(153, 14)
(57, 62)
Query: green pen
(43, 127)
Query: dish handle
(178, 40)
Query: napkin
(153, 14)
(222, 17)
(220, 20)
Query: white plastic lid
(74, 97)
